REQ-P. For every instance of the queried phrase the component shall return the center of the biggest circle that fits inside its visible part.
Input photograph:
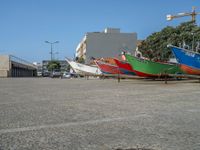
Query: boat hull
(107, 68)
(147, 68)
(189, 61)
(84, 69)
(189, 70)
(124, 67)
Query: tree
(155, 45)
(53, 65)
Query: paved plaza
(94, 114)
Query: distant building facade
(39, 68)
(108, 43)
(12, 66)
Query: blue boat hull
(189, 60)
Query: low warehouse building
(11, 66)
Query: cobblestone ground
(79, 114)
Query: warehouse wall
(4, 66)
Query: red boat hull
(108, 68)
(190, 70)
(142, 74)
(124, 67)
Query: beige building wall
(4, 66)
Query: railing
(21, 61)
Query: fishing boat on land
(189, 60)
(84, 69)
(107, 68)
(148, 68)
(114, 66)
(124, 67)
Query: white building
(108, 43)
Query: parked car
(39, 73)
(46, 74)
(56, 73)
(66, 75)
(74, 75)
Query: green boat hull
(147, 68)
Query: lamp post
(51, 47)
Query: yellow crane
(192, 14)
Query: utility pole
(51, 47)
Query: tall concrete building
(108, 43)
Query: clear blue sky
(26, 24)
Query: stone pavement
(79, 114)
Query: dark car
(46, 74)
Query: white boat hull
(84, 69)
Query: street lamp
(51, 47)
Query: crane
(192, 14)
